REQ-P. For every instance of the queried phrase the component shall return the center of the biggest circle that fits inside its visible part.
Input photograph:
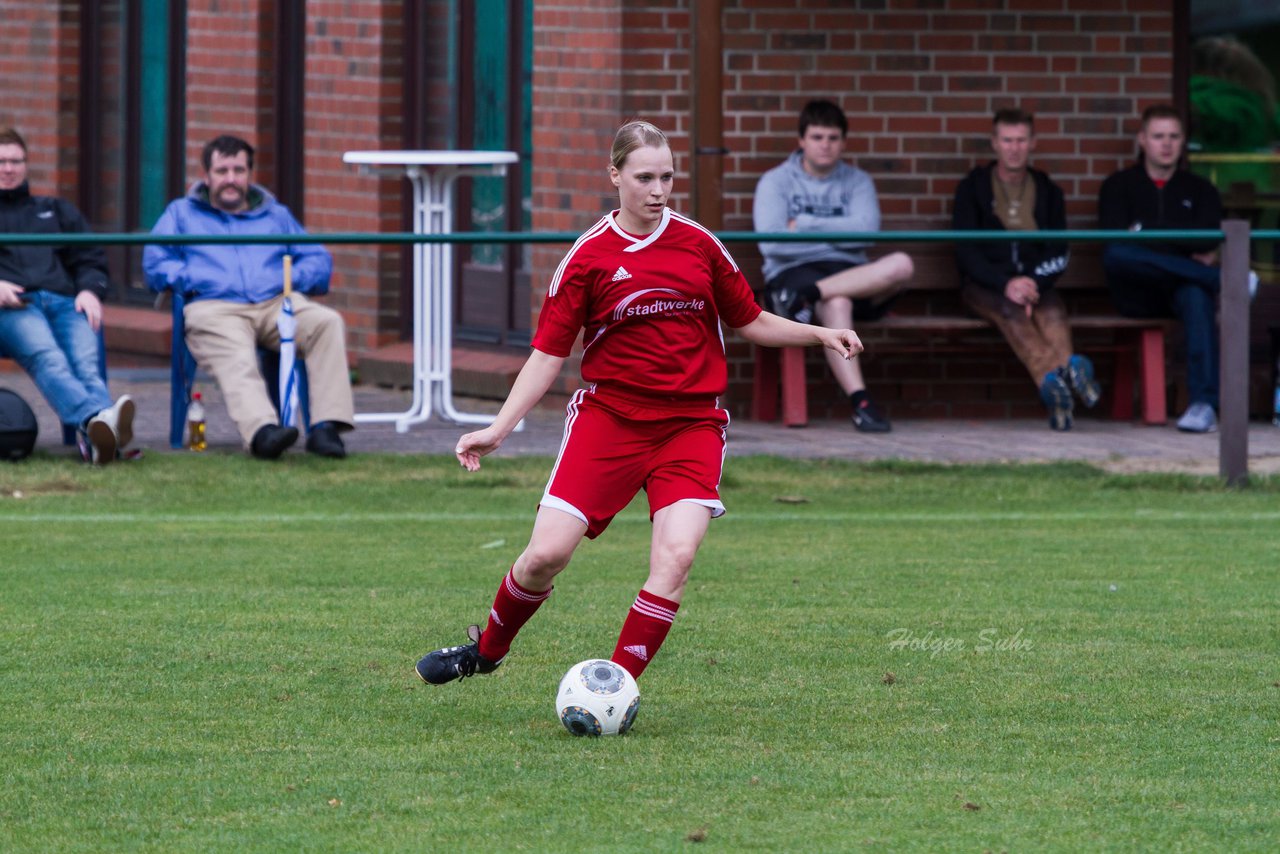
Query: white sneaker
(102, 440)
(120, 418)
(1199, 418)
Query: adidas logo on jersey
(621, 274)
(639, 651)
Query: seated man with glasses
(51, 309)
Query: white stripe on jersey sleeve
(707, 232)
(591, 232)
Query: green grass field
(207, 653)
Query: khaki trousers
(1042, 342)
(224, 337)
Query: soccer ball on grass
(597, 697)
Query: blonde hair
(633, 135)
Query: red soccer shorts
(612, 448)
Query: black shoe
(790, 304)
(324, 441)
(455, 662)
(868, 418)
(272, 440)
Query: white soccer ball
(597, 697)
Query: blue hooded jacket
(244, 273)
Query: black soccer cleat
(455, 662)
(868, 418)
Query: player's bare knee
(673, 560)
(540, 565)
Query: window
(131, 122)
(468, 86)
(1234, 130)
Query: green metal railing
(367, 238)
(1234, 310)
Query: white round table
(432, 174)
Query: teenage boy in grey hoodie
(815, 190)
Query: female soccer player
(650, 287)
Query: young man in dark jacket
(1171, 278)
(1010, 283)
(51, 309)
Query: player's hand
(844, 341)
(10, 294)
(473, 446)
(88, 304)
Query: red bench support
(1140, 352)
(1145, 354)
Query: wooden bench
(1139, 348)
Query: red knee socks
(512, 608)
(643, 632)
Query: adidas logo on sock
(621, 274)
(493, 614)
(639, 651)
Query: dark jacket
(65, 270)
(993, 264)
(1130, 200)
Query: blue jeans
(1147, 283)
(54, 344)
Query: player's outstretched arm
(770, 330)
(537, 375)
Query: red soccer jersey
(649, 307)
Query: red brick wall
(229, 79)
(920, 84)
(38, 71)
(919, 81)
(352, 101)
(577, 105)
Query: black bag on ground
(18, 427)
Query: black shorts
(810, 274)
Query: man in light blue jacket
(234, 292)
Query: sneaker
(1199, 418)
(867, 418)
(790, 304)
(1056, 395)
(324, 441)
(455, 662)
(120, 419)
(1080, 377)
(272, 440)
(101, 439)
